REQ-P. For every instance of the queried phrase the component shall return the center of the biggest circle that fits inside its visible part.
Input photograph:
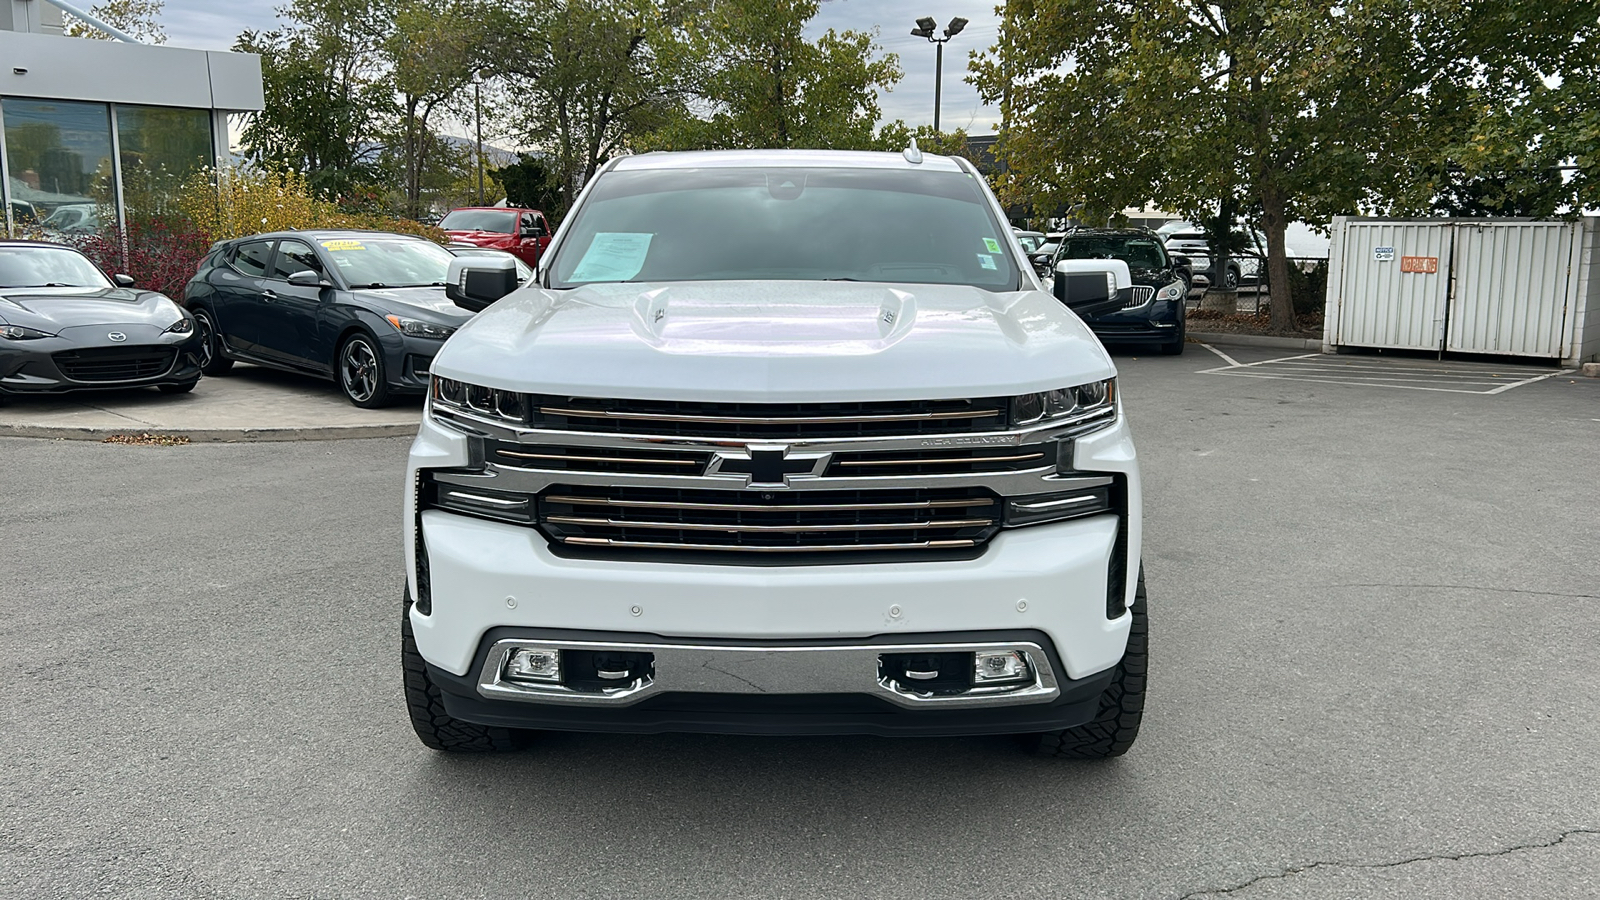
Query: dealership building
(92, 130)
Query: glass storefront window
(58, 161)
(159, 147)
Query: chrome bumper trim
(702, 669)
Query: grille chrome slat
(755, 507)
(958, 460)
(768, 421)
(771, 420)
(772, 529)
(662, 545)
(601, 459)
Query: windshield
(1030, 242)
(768, 224)
(386, 262)
(48, 267)
(501, 220)
(1137, 252)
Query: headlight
(1088, 404)
(1173, 291)
(22, 333)
(184, 325)
(492, 403)
(419, 328)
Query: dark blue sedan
(365, 309)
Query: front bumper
(32, 367)
(775, 687)
(1159, 322)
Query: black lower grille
(779, 523)
(115, 363)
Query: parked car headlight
(184, 325)
(1173, 291)
(419, 328)
(22, 333)
(486, 402)
(1089, 404)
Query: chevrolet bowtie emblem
(767, 465)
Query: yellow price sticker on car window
(343, 245)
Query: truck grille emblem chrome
(767, 465)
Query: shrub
(237, 202)
(161, 252)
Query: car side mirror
(1093, 287)
(1180, 260)
(475, 282)
(122, 280)
(308, 278)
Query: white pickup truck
(779, 442)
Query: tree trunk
(1219, 297)
(1274, 220)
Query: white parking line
(1225, 357)
(1507, 387)
(1319, 368)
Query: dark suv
(1156, 312)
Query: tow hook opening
(944, 674)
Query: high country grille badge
(767, 465)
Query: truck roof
(857, 159)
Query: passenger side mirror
(475, 282)
(122, 280)
(1093, 287)
(1179, 259)
(308, 278)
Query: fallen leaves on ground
(146, 438)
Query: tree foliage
(1291, 109)
(136, 18)
(758, 82)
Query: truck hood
(52, 309)
(775, 342)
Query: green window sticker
(613, 256)
(986, 260)
(994, 247)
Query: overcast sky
(213, 25)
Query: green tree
(431, 53)
(760, 83)
(136, 18)
(530, 184)
(1294, 109)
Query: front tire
(362, 374)
(1116, 725)
(1175, 347)
(435, 727)
(212, 362)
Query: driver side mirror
(475, 282)
(1179, 259)
(308, 278)
(121, 280)
(1093, 287)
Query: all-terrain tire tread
(1116, 726)
(435, 727)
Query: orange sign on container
(1422, 265)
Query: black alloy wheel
(1231, 281)
(212, 362)
(361, 372)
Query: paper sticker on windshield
(986, 260)
(994, 247)
(343, 245)
(613, 256)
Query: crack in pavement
(1316, 866)
(1472, 587)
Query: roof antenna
(912, 154)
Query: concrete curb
(1256, 340)
(215, 435)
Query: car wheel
(184, 388)
(1116, 725)
(1175, 347)
(1231, 282)
(212, 362)
(361, 372)
(435, 727)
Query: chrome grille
(1141, 295)
(779, 522)
(114, 363)
(942, 462)
(769, 421)
(599, 459)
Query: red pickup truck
(521, 232)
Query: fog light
(534, 664)
(999, 667)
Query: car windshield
(769, 224)
(1137, 252)
(387, 262)
(48, 267)
(1029, 242)
(501, 220)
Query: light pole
(477, 113)
(924, 29)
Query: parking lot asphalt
(1375, 621)
(249, 403)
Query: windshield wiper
(362, 287)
